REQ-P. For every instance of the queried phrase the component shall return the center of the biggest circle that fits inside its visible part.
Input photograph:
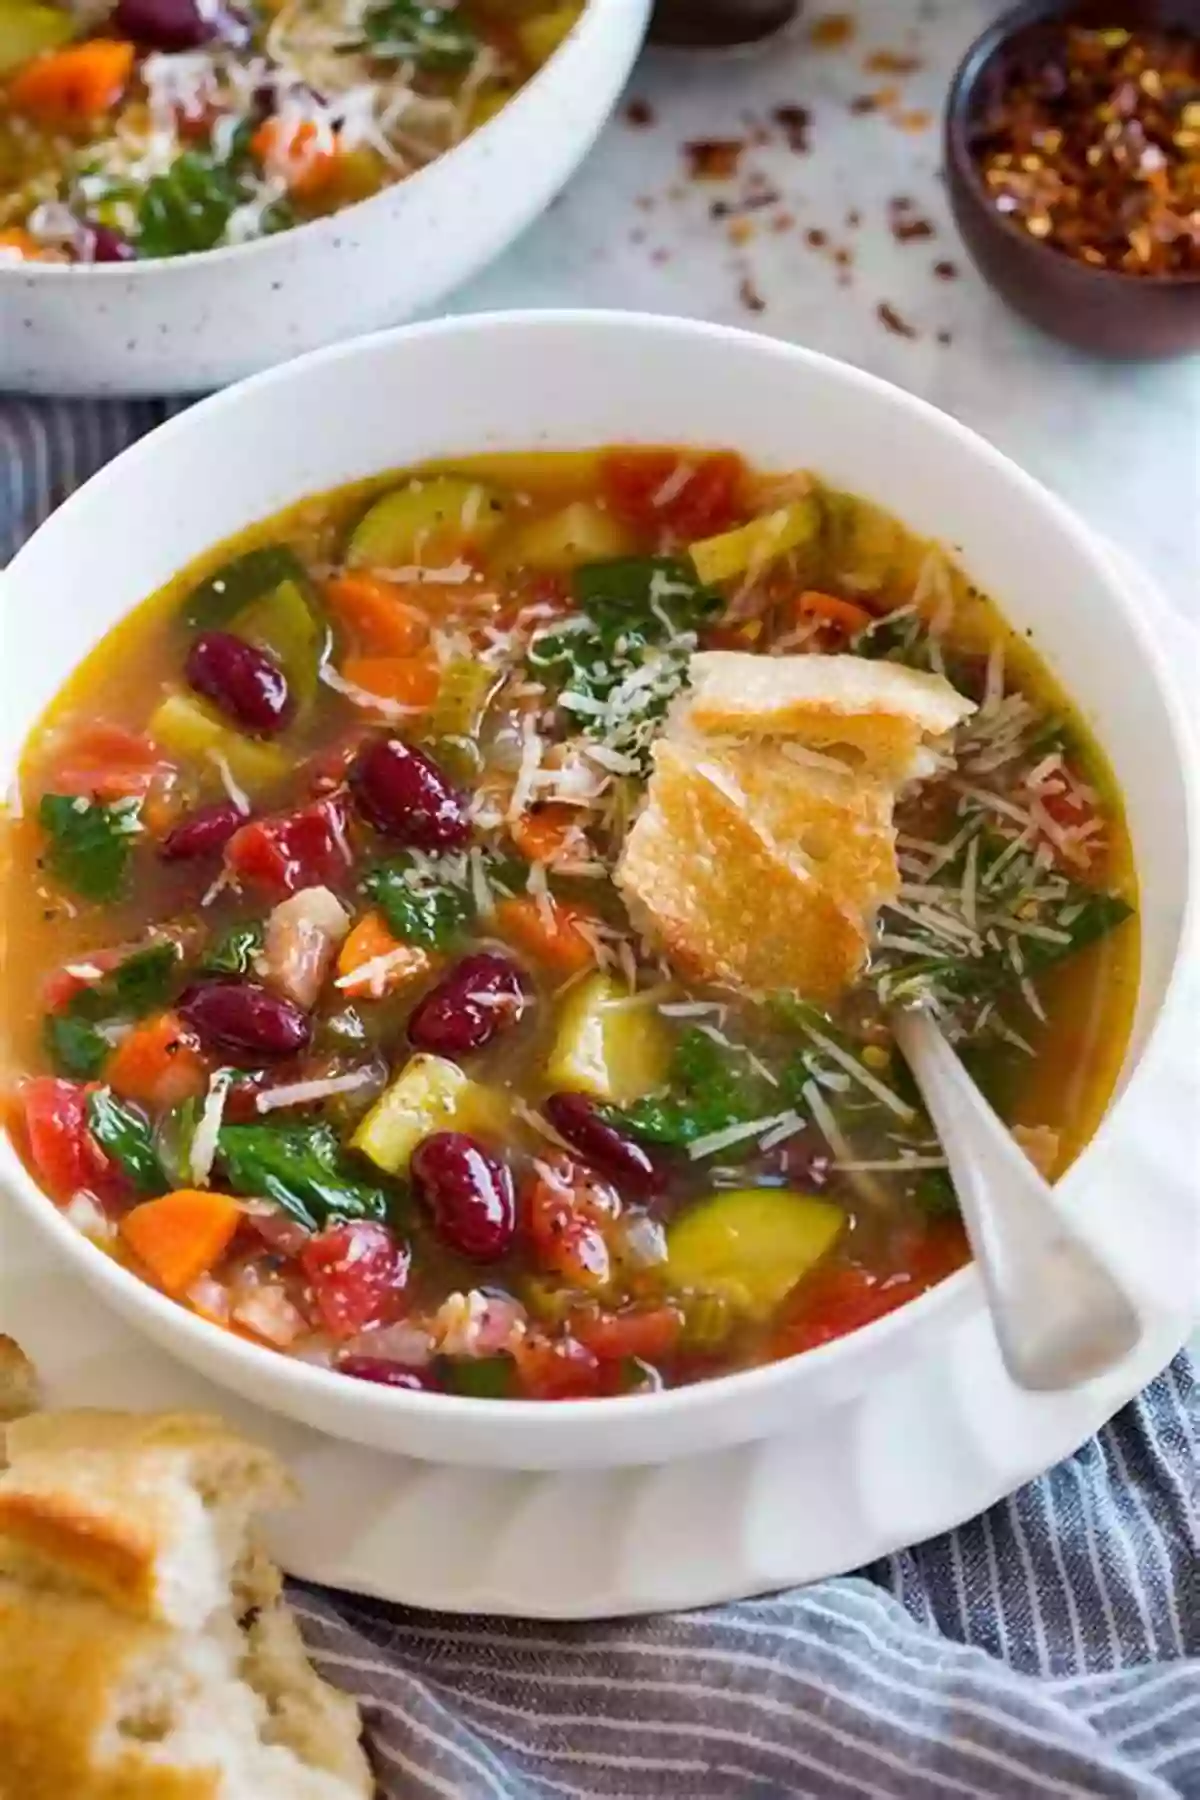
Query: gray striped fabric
(1050, 1649)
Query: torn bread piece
(146, 1650)
(879, 717)
(148, 1511)
(714, 890)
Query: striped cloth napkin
(1049, 1649)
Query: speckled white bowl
(561, 380)
(195, 323)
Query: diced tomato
(709, 501)
(1071, 811)
(66, 1157)
(61, 985)
(158, 1063)
(842, 1297)
(357, 1273)
(567, 1212)
(106, 762)
(649, 1333)
(558, 1369)
(306, 849)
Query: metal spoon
(1061, 1312)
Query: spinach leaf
(433, 37)
(234, 952)
(139, 985)
(481, 1377)
(219, 598)
(188, 207)
(418, 909)
(125, 1134)
(89, 842)
(709, 1089)
(173, 1137)
(74, 1046)
(301, 1168)
(646, 592)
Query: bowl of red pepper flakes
(1073, 164)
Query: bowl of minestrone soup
(465, 855)
(192, 192)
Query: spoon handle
(1061, 1312)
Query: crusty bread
(712, 887)
(146, 1651)
(149, 1511)
(876, 715)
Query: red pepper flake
(891, 62)
(843, 257)
(816, 238)
(911, 231)
(640, 113)
(854, 218)
(1090, 142)
(750, 297)
(891, 320)
(945, 337)
(916, 120)
(783, 221)
(830, 31)
(795, 123)
(879, 101)
(739, 231)
(946, 271)
(714, 159)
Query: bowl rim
(959, 1291)
(168, 267)
(960, 102)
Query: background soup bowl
(192, 323)
(563, 380)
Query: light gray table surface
(1120, 442)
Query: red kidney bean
(177, 24)
(479, 997)
(404, 794)
(609, 1151)
(243, 681)
(245, 1021)
(202, 833)
(101, 244)
(388, 1374)
(803, 1160)
(468, 1193)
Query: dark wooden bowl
(1103, 311)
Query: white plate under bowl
(922, 1451)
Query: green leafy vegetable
(481, 1377)
(89, 842)
(217, 599)
(139, 985)
(125, 1134)
(710, 1088)
(418, 909)
(74, 1046)
(173, 1137)
(433, 37)
(639, 590)
(234, 952)
(301, 1168)
(188, 207)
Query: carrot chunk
(367, 943)
(409, 680)
(180, 1236)
(555, 934)
(377, 614)
(843, 613)
(156, 1065)
(75, 84)
(543, 835)
(298, 152)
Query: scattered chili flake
(879, 101)
(816, 238)
(918, 119)
(911, 231)
(854, 218)
(890, 318)
(843, 257)
(945, 271)
(739, 231)
(945, 337)
(639, 112)
(783, 221)
(891, 62)
(794, 122)
(714, 159)
(1090, 141)
(750, 297)
(829, 31)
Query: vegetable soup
(152, 128)
(379, 983)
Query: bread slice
(146, 1650)
(96, 1705)
(149, 1511)
(711, 886)
(875, 716)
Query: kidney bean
(389, 1374)
(403, 793)
(177, 24)
(245, 1021)
(479, 997)
(104, 245)
(468, 1193)
(804, 1160)
(608, 1150)
(202, 833)
(244, 682)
